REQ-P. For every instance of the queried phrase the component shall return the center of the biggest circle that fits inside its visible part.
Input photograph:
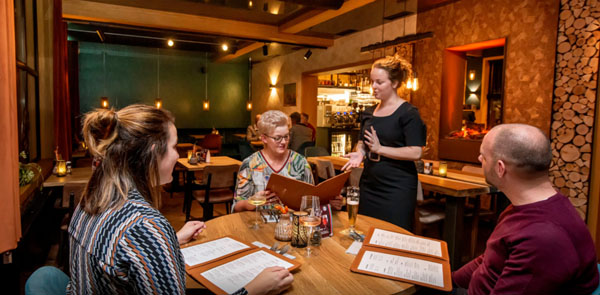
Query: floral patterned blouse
(255, 172)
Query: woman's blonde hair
(126, 146)
(397, 68)
(270, 120)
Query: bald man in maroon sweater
(540, 244)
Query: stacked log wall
(574, 99)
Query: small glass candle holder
(443, 170)
(61, 168)
(189, 154)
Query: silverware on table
(284, 249)
(274, 247)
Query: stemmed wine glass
(257, 200)
(312, 206)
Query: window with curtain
(28, 104)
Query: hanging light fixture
(157, 101)
(206, 103)
(104, 100)
(249, 102)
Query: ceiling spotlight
(265, 50)
(224, 47)
(170, 42)
(307, 54)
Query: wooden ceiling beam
(141, 17)
(315, 17)
(240, 52)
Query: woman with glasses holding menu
(391, 139)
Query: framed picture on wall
(289, 94)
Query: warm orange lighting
(479, 45)
(472, 75)
(206, 105)
(61, 168)
(104, 102)
(170, 42)
(250, 4)
(409, 84)
(225, 47)
(443, 170)
(158, 103)
(415, 84)
(249, 106)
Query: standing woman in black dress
(391, 139)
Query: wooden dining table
(456, 187)
(329, 271)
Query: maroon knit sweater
(539, 248)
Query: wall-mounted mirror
(482, 106)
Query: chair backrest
(182, 149)
(76, 189)
(325, 169)
(304, 145)
(472, 169)
(212, 142)
(245, 149)
(355, 176)
(221, 176)
(315, 151)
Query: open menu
(290, 191)
(226, 264)
(404, 257)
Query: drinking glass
(256, 200)
(312, 206)
(352, 201)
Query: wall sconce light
(415, 83)
(265, 49)
(249, 106)
(206, 105)
(272, 87)
(104, 102)
(158, 103)
(307, 54)
(250, 4)
(472, 75)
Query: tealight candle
(61, 168)
(443, 169)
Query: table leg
(187, 202)
(453, 229)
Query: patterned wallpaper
(530, 27)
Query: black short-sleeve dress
(388, 187)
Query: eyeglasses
(278, 139)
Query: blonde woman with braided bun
(119, 242)
(391, 139)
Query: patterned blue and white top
(127, 250)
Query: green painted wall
(131, 77)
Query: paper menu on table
(237, 273)
(211, 250)
(404, 257)
(417, 270)
(399, 241)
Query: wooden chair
(323, 170)
(70, 199)
(301, 150)
(315, 151)
(218, 186)
(427, 212)
(213, 142)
